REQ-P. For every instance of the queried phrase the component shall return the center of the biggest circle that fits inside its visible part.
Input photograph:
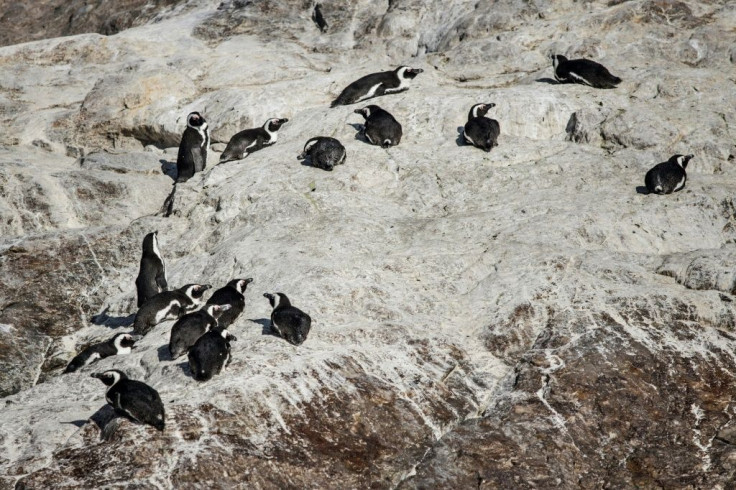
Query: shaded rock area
(524, 318)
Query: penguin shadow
(306, 161)
(113, 321)
(265, 324)
(163, 353)
(360, 135)
(169, 168)
(640, 189)
(184, 366)
(102, 418)
(549, 81)
(460, 140)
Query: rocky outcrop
(520, 318)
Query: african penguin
(168, 305)
(668, 177)
(380, 128)
(133, 399)
(583, 71)
(210, 354)
(324, 152)
(192, 326)
(250, 140)
(119, 344)
(151, 278)
(480, 131)
(288, 322)
(193, 148)
(318, 18)
(232, 295)
(375, 84)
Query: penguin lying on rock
(380, 128)
(480, 131)
(133, 399)
(324, 152)
(290, 323)
(249, 140)
(168, 305)
(583, 71)
(210, 353)
(375, 84)
(119, 344)
(668, 177)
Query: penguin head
(681, 160)
(216, 310)
(405, 72)
(124, 341)
(225, 334)
(241, 285)
(150, 242)
(367, 111)
(274, 124)
(195, 291)
(480, 110)
(277, 299)
(557, 59)
(110, 377)
(196, 121)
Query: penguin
(480, 131)
(583, 71)
(250, 140)
(376, 84)
(668, 177)
(117, 345)
(290, 323)
(133, 399)
(151, 278)
(325, 152)
(192, 326)
(210, 354)
(169, 305)
(232, 295)
(193, 148)
(380, 127)
(319, 19)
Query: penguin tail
(386, 143)
(336, 102)
(160, 425)
(658, 189)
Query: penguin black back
(210, 354)
(325, 152)
(118, 344)
(380, 128)
(231, 294)
(377, 84)
(151, 278)
(668, 177)
(480, 131)
(289, 322)
(195, 142)
(583, 71)
(247, 141)
(133, 399)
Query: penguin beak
(490, 105)
(358, 111)
(232, 338)
(268, 296)
(283, 121)
(96, 375)
(205, 287)
(249, 280)
(417, 71)
(136, 337)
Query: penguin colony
(202, 334)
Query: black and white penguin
(318, 18)
(210, 354)
(250, 140)
(289, 322)
(583, 71)
(233, 295)
(168, 305)
(376, 84)
(133, 399)
(119, 344)
(193, 148)
(324, 152)
(151, 278)
(192, 326)
(480, 131)
(668, 177)
(380, 128)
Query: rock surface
(524, 318)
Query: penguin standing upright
(119, 344)
(583, 71)
(151, 278)
(325, 152)
(289, 322)
(249, 140)
(232, 295)
(192, 326)
(168, 305)
(480, 131)
(193, 148)
(380, 128)
(376, 84)
(133, 399)
(668, 177)
(210, 354)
